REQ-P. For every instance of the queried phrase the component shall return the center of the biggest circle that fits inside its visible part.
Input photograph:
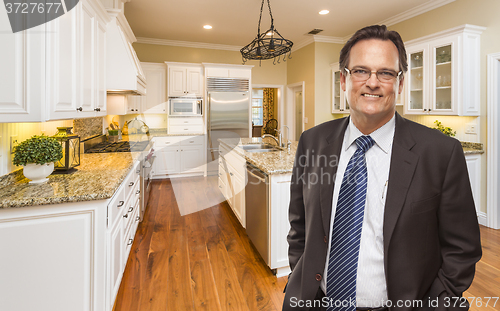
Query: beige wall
(264, 73)
(301, 68)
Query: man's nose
(373, 79)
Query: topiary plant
(37, 149)
(445, 130)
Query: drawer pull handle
(220, 187)
(130, 241)
(137, 218)
(138, 171)
(230, 173)
(130, 209)
(138, 191)
(131, 184)
(120, 204)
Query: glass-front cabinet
(339, 102)
(443, 73)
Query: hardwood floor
(205, 261)
(200, 261)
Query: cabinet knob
(97, 109)
(138, 191)
(120, 204)
(125, 216)
(131, 184)
(130, 241)
(130, 209)
(429, 110)
(425, 109)
(79, 109)
(137, 218)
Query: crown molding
(302, 44)
(421, 9)
(188, 44)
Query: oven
(185, 106)
(146, 178)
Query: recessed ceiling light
(207, 27)
(324, 12)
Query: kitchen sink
(259, 148)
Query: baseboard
(482, 218)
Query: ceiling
(235, 22)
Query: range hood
(124, 74)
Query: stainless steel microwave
(182, 106)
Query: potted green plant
(448, 131)
(37, 156)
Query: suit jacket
(431, 233)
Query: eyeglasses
(384, 76)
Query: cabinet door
(62, 66)
(416, 80)
(167, 161)
(115, 254)
(88, 64)
(101, 70)
(155, 96)
(194, 81)
(177, 81)
(192, 159)
(339, 103)
(238, 188)
(443, 53)
(22, 65)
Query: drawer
(129, 236)
(116, 205)
(130, 210)
(131, 185)
(185, 121)
(185, 129)
(194, 140)
(160, 142)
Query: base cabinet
(473, 162)
(179, 156)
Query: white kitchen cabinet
(53, 71)
(155, 99)
(444, 73)
(179, 156)
(232, 174)
(186, 125)
(184, 79)
(227, 71)
(474, 169)
(118, 104)
(339, 102)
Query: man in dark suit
(418, 238)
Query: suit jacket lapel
(332, 148)
(403, 164)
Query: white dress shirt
(371, 289)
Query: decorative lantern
(71, 150)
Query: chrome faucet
(288, 142)
(279, 140)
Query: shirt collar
(383, 136)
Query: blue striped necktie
(346, 234)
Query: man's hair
(374, 32)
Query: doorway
(267, 103)
(295, 109)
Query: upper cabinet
(339, 102)
(184, 79)
(54, 71)
(228, 71)
(155, 100)
(443, 73)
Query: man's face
(372, 100)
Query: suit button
(325, 239)
(318, 277)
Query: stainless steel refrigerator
(228, 114)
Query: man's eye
(359, 71)
(388, 74)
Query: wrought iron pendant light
(267, 46)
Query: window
(257, 107)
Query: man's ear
(401, 84)
(342, 80)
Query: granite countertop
(277, 162)
(98, 177)
(281, 162)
